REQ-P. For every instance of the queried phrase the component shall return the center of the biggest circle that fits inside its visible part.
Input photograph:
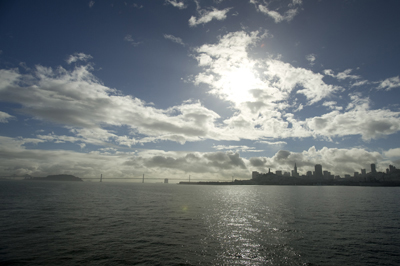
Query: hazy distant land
(56, 178)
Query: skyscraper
(318, 170)
(294, 172)
(363, 172)
(373, 169)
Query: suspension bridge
(143, 178)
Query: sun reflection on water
(247, 230)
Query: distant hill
(58, 178)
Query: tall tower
(318, 170)
(373, 169)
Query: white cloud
(231, 74)
(288, 16)
(175, 3)
(91, 4)
(4, 117)
(174, 39)
(332, 105)
(341, 75)
(311, 58)
(137, 6)
(393, 153)
(208, 15)
(261, 93)
(272, 142)
(78, 57)
(238, 148)
(360, 83)
(314, 88)
(129, 39)
(278, 17)
(58, 139)
(295, 2)
(357, 120)
(389, 83)
(76, 99)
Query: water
(75, 223)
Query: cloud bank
(217, 165)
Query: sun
(237, 83)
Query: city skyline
(321, 173)
(208, 88)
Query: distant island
(55, 178)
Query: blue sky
(211, 89)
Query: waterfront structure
(166, 181)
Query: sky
(213, 89)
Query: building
(363, 171)
(166, 181)
(309, 173)
(326, 174)
(318, 171)
(373, 168)
(294, 172)
(278, 173)
(254, 175)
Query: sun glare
(237, 83)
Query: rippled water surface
(75, 223)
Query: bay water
(88, 223)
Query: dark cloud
(282, 155)
(257, 162)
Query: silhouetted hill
(58, 178)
